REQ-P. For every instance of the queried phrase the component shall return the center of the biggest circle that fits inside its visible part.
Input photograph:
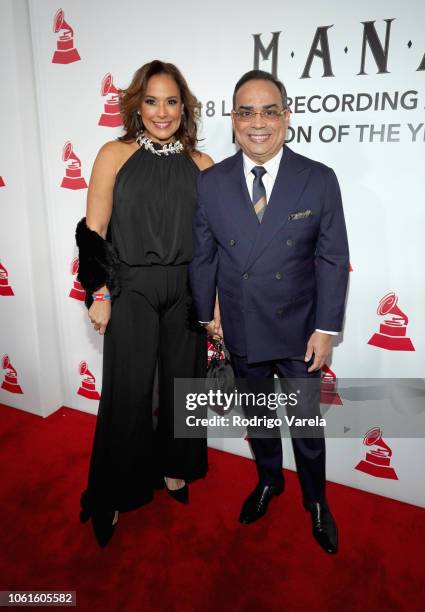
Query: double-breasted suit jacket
(277, 280)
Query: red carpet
(166, 556)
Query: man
(270, 238)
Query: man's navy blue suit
(277, 280)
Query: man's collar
(271, 166)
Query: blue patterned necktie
(259, 198)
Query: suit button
(278, 276)
(246, 276)
(289, 242)
(279, 312)
(232, 242)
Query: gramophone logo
(10, 382)
(5, 288)
(328, 391)
(377, 461)
(392, 332)
(77, 292)
(111, 116)
(88, 384)
(2, 183)
(72, 178)
(65, 52)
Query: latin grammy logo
(2, 183)
(72, 178)
(10, 382)
(65, 52)
(77, 292)
(377, 462)
(5, 288)
(328, 392)
(88, 384)
(111, 116)
(392, 332)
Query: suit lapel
(288, 187)
(240, 202)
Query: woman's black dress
(152, 322)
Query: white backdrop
(378, 158)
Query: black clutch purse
(220, 373)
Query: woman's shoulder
(116, 152)
(202, 160)
(117, 148)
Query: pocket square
(302, 214)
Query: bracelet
(101, 297)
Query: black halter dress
(152, 326)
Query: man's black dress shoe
(324, 527)
(256, 504)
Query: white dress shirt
(272, 167)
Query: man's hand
(217, 320)
(214, 327)
(320, 345)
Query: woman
(135, 247)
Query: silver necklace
(167, 149)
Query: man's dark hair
(261, 75)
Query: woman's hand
(99, 315)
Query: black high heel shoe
(102, 522)
(181, 495)
(85, 513)
(159, 483)
(103, 526)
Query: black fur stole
(99, 262)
